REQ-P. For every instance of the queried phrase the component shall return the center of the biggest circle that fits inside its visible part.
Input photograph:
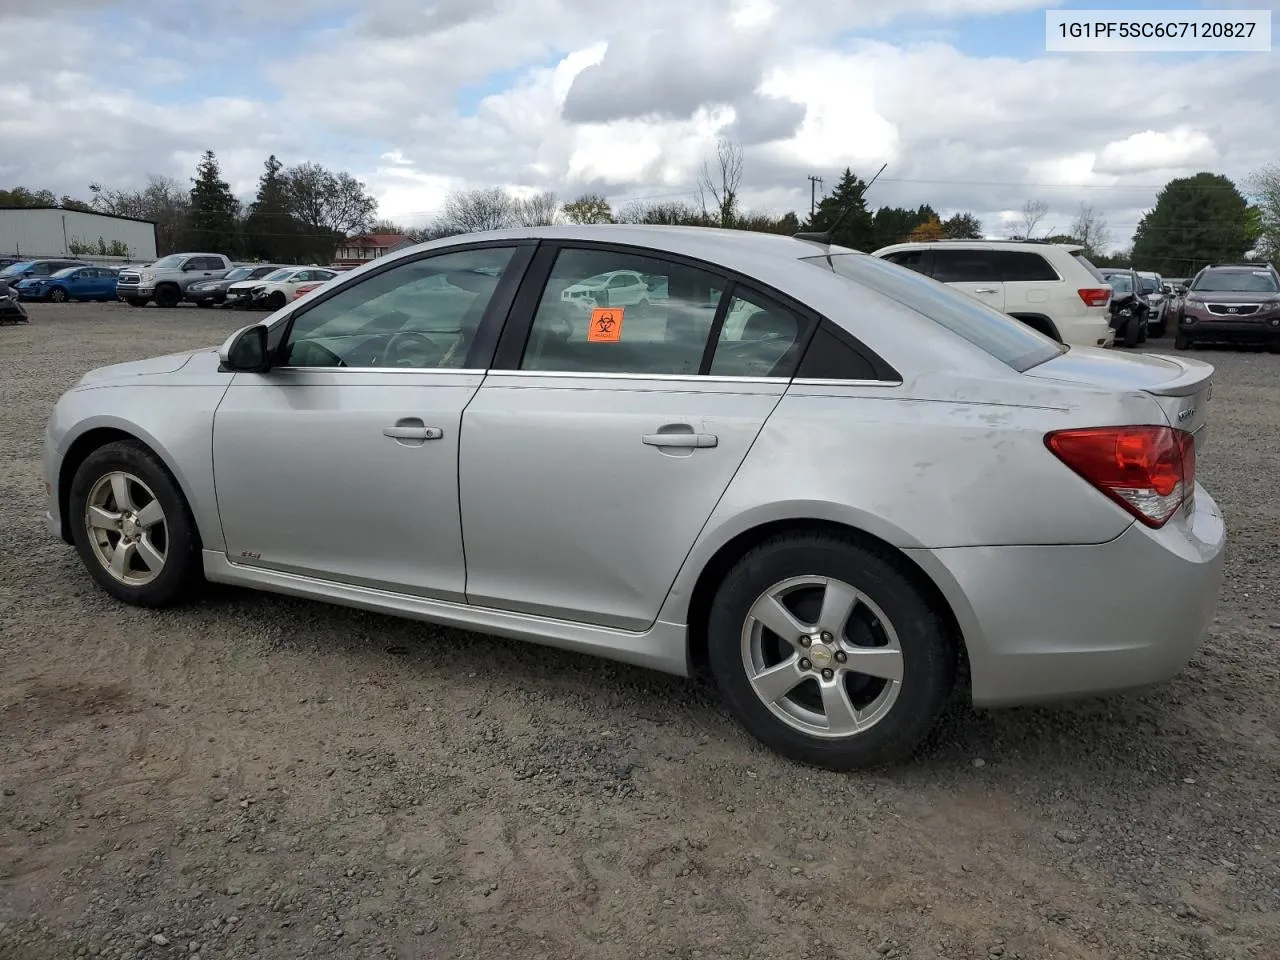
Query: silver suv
(166, 281)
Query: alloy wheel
(127, 528)
(822, 657)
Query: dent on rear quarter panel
(917, 474)
(175, 420)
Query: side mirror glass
(245, 351)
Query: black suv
(1231, 303)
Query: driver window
(418, 315)
(760, 338)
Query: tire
(1156, 330)
(275, 301)
(58, 295)
(1131, 327)
(795, 723)
(1181, 342)
(1142, 332)
(136, 302)
(96, 483)
(168, 296)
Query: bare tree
(328, 201)
(1264, 185)
(1091, 230)
(1033, 211)
(719, 183)
(589, 208)
(540, 210)
(163, 201)
(673, 213)
(471, 211)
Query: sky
(420, 98)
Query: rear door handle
(413, 433)
(986, 290)
(685, 440)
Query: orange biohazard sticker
(606, 325)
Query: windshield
(998, 334)
(1236, 281)
(15, 269)
(279, 275)
(239, 273)
(169, 262)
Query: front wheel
(58, 295)
(136, 301)
(275, 301)
(828, 653)
(1131, 327)
(132, 527)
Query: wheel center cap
(821, 655)
(129, 527)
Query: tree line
(301, 213)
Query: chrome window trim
(581, 375)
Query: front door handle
(412, 433)
(685, 440)
(986, 290)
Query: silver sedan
(824, 479)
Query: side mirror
(245, 351)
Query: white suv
(1049, 286)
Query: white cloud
(1175, 149)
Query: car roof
(992, 244)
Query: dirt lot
(258, 776)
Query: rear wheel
(1131, 331)
(132, 527)
(826, 652)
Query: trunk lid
(1183, 387)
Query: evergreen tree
(895, 224)
(214, 211)
(270, 231)
(962, 226)
(856, 228)
(1196, 221)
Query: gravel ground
(259, 776)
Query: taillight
(1095, 296)
(1148, 470)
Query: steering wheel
(390, 354)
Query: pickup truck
(166, 281)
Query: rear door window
(966, 266)
(1017, 266)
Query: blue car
(73, 283)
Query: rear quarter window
(1017, 266)
(1008, 340)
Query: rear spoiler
(1193, 378)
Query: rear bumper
(1087, 331)
(1044, 623)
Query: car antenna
(825, 237)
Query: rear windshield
(1008, 340)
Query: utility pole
(813, 195)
